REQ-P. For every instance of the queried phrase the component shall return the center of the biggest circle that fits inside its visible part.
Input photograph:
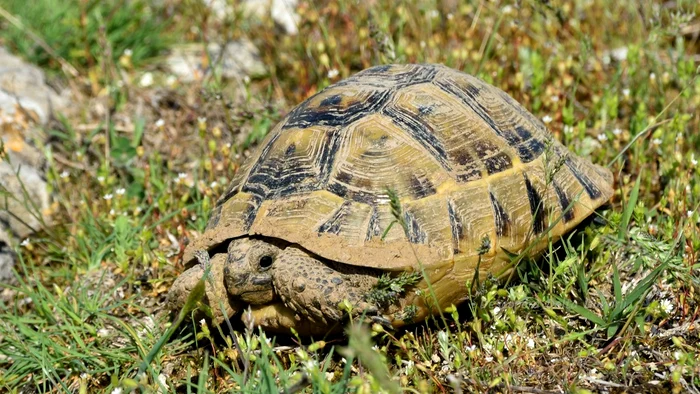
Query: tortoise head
(247, 273)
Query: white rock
(23, 84)
(238, 60)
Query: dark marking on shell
(214, 218)
(530, 150)
(344, 177)
(456, 226)
(500, 217)
(415, 233)
(421, 132)
(290, 149)
(251, 212)
(537, 207)
(334, 112)
(484, 148)
(341, 190)
(280, 176)
(332, 225)
(564, 203)
(497, 163)
(373, 224)
(424, 110)
(334, 138)
(336, 281)
(421, 187)
(469, 175)
(332, 100)
(462, 155)
(523, 133)
(380, 76)
(468, 95)
(590, 187)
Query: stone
(23, 86)
(237, 60)
(26, 103)
(283, 12)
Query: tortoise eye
(266, 262)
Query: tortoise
(303, 236)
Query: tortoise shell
(471, 167)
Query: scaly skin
(258, 273)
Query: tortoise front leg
(313, 289)
(215, 292)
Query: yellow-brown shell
(465, 159)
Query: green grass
(613, 305)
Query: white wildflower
(332, 73)
(488, 359)
(496, 311)
(546, 119)
(108, 196)
(25, 242)
(193, 218)
(120, 191)
(112, 212)
(677, 354)
(100, 179)
(626, 92)
(656, 141)
(568, 129)
(508, 341)
(602, 137)
(118, 390)
(160, 123)
(128, 52)
(690, 214)
(667, 306)
(310, 364)
(330, 376)
(471, 348)
(202, 322)
(617, 131)
(530, 343)
(65, 174)
(246, 80)
(652, 76)
(693, 160)
(181, 175)
(146, 80)
(409, 366)
(506, 10)
(433, 14)
(450, 16)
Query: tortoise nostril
(265, 262)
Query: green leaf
(617, 286)
(640, 290)
(629, 208)
(583, 311)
